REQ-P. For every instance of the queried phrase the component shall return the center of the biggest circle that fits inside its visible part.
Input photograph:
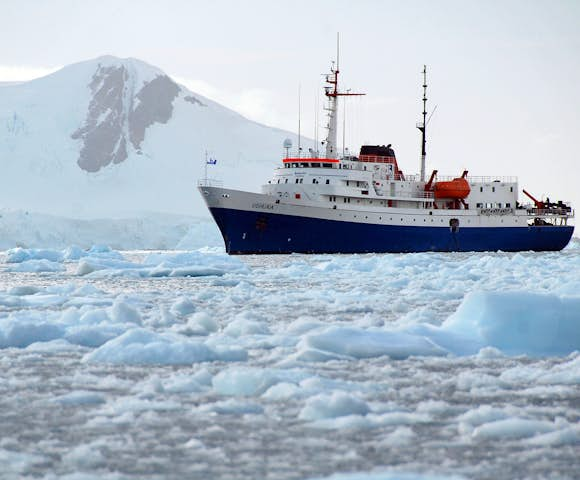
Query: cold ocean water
(171, 365)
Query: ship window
(511, 189)
(327, 181)
(479, 205)
(347, 183)
(278, 180)
(508, 205)
(295, 165)
(327, 165)
(314, 180)
(304, 164)
(481, 189)
(493, 189)
(286, 181)
(296, 181)
(344, 200)
(316, 165)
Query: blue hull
(255, 232)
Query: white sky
(504, 74)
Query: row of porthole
(402, 219)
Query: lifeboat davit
(458, 188)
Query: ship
(328, 202)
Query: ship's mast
(423, 126)
(332, 93)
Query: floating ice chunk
(302, 325)
(338, 404)
(23, 290)
(566, 373)
(392, 475)
(471, 380)
(139, 346)
(200, 323)
(93, 336)
(489, 353)
(244, 381)
(483, 414)
(244, 325)
(182, 384)
(400, 436)
(187, 264)
(80, 397)
(20, 255)
(519, 322)
(131, 405)
(513, 428)
(358, 343)
(15, 463)
(85, 457)
(73, 253)
(20, 334)
(565, 436)
(182, 306)
(36, 266)
(121, 312)
(233, 407)
(282, 391)
(435, 407)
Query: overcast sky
(504, 74)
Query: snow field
(478, 352)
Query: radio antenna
(423, 126)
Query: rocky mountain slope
(115, 137)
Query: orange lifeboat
(457, 189)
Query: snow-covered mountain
(118, 137)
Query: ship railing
(564, 211)
(421, 194)
(210, 182)
(470, 179)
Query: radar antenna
(332, 93)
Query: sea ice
(140, 346)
